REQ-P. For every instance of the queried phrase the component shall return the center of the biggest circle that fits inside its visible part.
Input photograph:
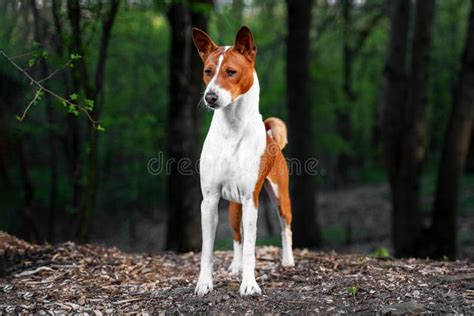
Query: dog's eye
(208, 72)
(231, 73)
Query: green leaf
(100, 128)
(89, 104)
(353, 290)
(38, 95)
(73, 110)
(75, 56)
(73, 96)
(18, 118)
(380, 252)
(31, 62)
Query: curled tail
(277, 130)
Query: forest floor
(72, 278)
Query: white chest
(230, 161)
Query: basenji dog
(241, 154)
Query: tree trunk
(93, 90)
(393, 96)
(97, 96)
(40, 31)
(73, 142)
(184, 124)
(306, 232)
(345, 159)
(28, 230)
(455, 149)
(404, 101)
(470, 155)
(354, 38)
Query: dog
(241, 154)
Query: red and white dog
(241, 154)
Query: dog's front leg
(249, 222)
(209, 218)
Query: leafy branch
(70, 104)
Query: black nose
(211, 97)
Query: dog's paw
(288, 262)
(203, 287)
(235, 268)
(249, 288)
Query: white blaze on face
(223, 96)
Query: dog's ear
(244, 43)
(203, 43)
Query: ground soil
(71, 278)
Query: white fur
(223, 96)
(236, 265)
(286, 234)
(287, 245)
(209, 218)
(249, 221)
(229, 168)
(274, 187)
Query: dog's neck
(235, 116)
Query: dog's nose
(211, 98)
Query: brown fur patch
(273, 166)
(240, 82)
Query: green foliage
(353, 290)
(223, 244)
(428, 189)
(136, 100)
(448, 42)
(89, 104)
(37, 53)
(269, 241)
(372, 174)
(380, 252)
(334, 235)
(38, 95)
(75, 56)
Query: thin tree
(184, 124)
(40, 37)
(455, 150)
(74, 140)
(93, 90)
(306, 232)
(353, 41)
(404, 102)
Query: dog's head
(228, 70)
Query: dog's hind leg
(280, 197)
(285, 223)
(235, 218)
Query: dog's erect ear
(244, 43)
(203, 43)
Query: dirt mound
(73, 278)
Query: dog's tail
(277, 130)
